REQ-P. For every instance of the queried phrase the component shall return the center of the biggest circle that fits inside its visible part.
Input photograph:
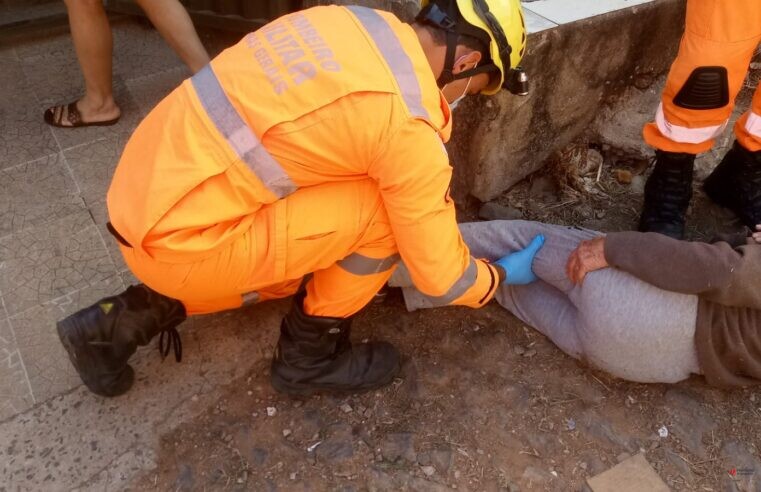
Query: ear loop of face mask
(456, 102)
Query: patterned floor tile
(49, 369)
(139, 50)
(47, 262)
(113, 249)
(93, 166)
(56, 45)
(149, 91)
(15, 392)
(36, 193)
(24, 136)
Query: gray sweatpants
(613, 321)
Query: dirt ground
(483, 402)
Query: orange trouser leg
(330, 230)
(718, 33)
(748, 128)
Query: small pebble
(286, 432)
(663, 432)
(428, 470)
(570, 424)
(194, 398)
(529, 353)
(293, 476)
(623, 176)
(271, 411)
(519, 350)
(457, 474)
(346, 408)
(250, 392)
(254, 414)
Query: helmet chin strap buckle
(516, 81)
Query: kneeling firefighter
(313, 146)
(719, 41)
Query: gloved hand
(517, 265)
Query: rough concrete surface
(574, 69)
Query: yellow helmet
(498, 24)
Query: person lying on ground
(641, 306)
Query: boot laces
(173, 341)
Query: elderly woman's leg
(614, 321)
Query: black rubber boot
(736, 184)
(314, 354)
(667, 194)
(100, 339)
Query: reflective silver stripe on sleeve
(462, 285)
(389, 46)
(362, 265)
(238, 134)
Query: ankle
(97, 104)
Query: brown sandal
(73, 117)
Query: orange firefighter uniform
(315, 145)
(719, 41)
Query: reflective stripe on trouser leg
(338, 293)
(722, 33)
(748, 128)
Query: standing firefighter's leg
(719, 40)
(736, 181)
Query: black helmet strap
(451, 22)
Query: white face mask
(453, 105)
(456, 102)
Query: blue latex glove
(517, 265)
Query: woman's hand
(757, 235)
(587, 257)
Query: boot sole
(306, 389)
(84, 360)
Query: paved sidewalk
(56, 257)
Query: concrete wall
(574, 68)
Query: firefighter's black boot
(100, 339)
(314, 354)
(736, 184)
(667, 194)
